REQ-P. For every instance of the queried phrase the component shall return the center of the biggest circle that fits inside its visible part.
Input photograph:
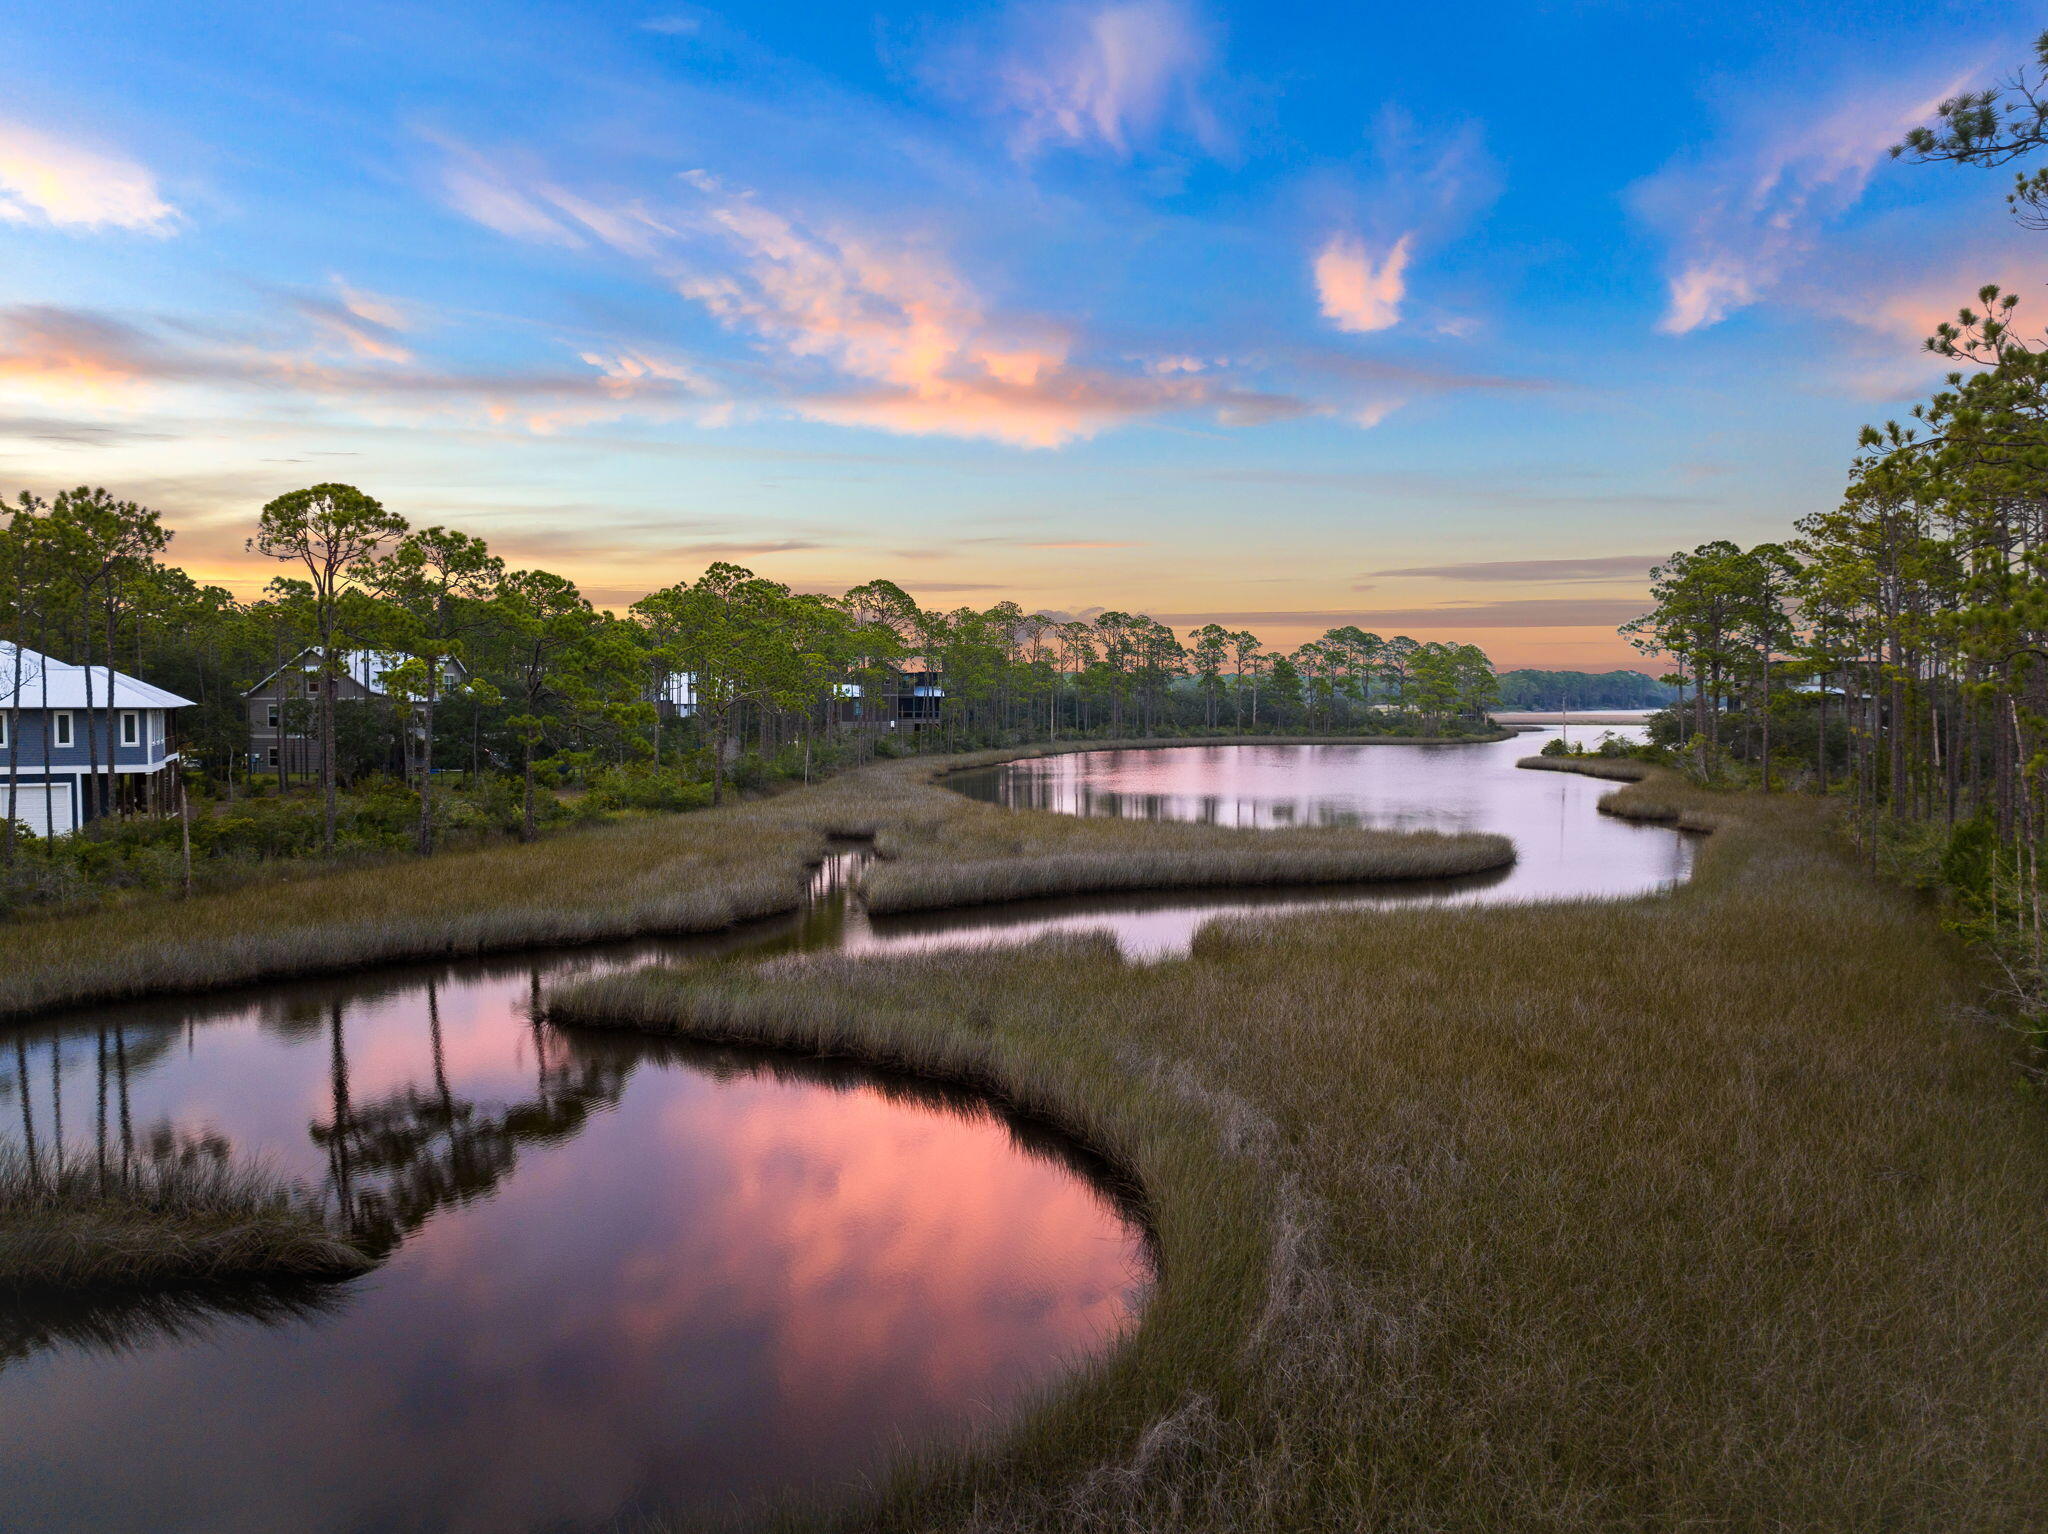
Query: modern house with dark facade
(55, 729)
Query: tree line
(1529, 688)
(1895, 651)
(492, 670)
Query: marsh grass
(1720, 1209)
(688, 873)
(1654, 793)
(180, 1220)
(1618, 768)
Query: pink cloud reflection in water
(722, 1277)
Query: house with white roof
(79, 742)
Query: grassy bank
(164, 1223)
(1654, 793)
(688, 873)
(667, 874)
(1676, 1213)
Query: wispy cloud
(1112, 78)
(369, 324)
(45, 179)
(1528, 612)
(50, 353)
(865, 320)
(1085, 543)
(897, 338)
(524, 204)
(1743, 215)
(75, 433)
(902, 322)
(1358, 291)
(732, 550)
(1603, 567)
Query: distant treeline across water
(1581, 689)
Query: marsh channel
(625, 1278)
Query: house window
(60, 728)
(4, 742)
(131, 729)
(273, 756)
(270, 715)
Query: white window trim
(3, 729)
(61, 733)
(131, 727)
(271, 714)
(273, 756)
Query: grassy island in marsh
(1599, 1215)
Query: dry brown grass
(675, 874)
(687, 873)
(1619, 768)
(1655, 793)
(168, 1222)
(1715, 1210)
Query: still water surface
(1564, 849)
(629, 1276)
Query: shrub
(641, 786)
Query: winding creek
(637, 1277)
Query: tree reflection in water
(391, 1162)
(394, 1160)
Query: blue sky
(1443, 319)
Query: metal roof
(24, 674)
(366, 668)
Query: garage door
(37, 805)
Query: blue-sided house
(57, 723)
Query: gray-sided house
(51, 741)
(283, 706)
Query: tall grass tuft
(166, 1221)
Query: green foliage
(643, 787)
(1969, 862)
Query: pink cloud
(1890, 296)
(924, 353)
(1359, 293)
